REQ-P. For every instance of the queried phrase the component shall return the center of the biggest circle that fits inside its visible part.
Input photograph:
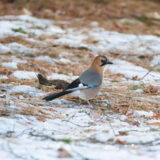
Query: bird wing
(73, 84)
(91, 78)
(88, 79)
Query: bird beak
(109, 62)
(106, 62)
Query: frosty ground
(124, 122)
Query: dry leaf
(123, 133)
(118, 141)
(135, 78)
(41, 119)
(151, 89)
(63, 153)
(155, 123)
(156, 115)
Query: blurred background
(45, 40)
(126, 16)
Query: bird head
(101, 61)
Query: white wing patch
(80, 86)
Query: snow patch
(64, 60)
(142, 113)
(61, 76)
(63, 54)
(3, 49)
(10, 65)
(6, 28)
(3, 77)
(155, 61)
(46, 59)
(54, 30)
(144, 138)
(119, 42)
(24, 75)
(130, 71)
(19, 48)
(72, 38)
(94, 24)
(26, 89)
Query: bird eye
(103, 62)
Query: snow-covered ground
(32, 129)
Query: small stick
(150, 71)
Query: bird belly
(87, 94)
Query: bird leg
(90, 106)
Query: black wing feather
(73, 84)
(56, 95)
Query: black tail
(56, 95)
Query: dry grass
(109, 14)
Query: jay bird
(88, 84)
